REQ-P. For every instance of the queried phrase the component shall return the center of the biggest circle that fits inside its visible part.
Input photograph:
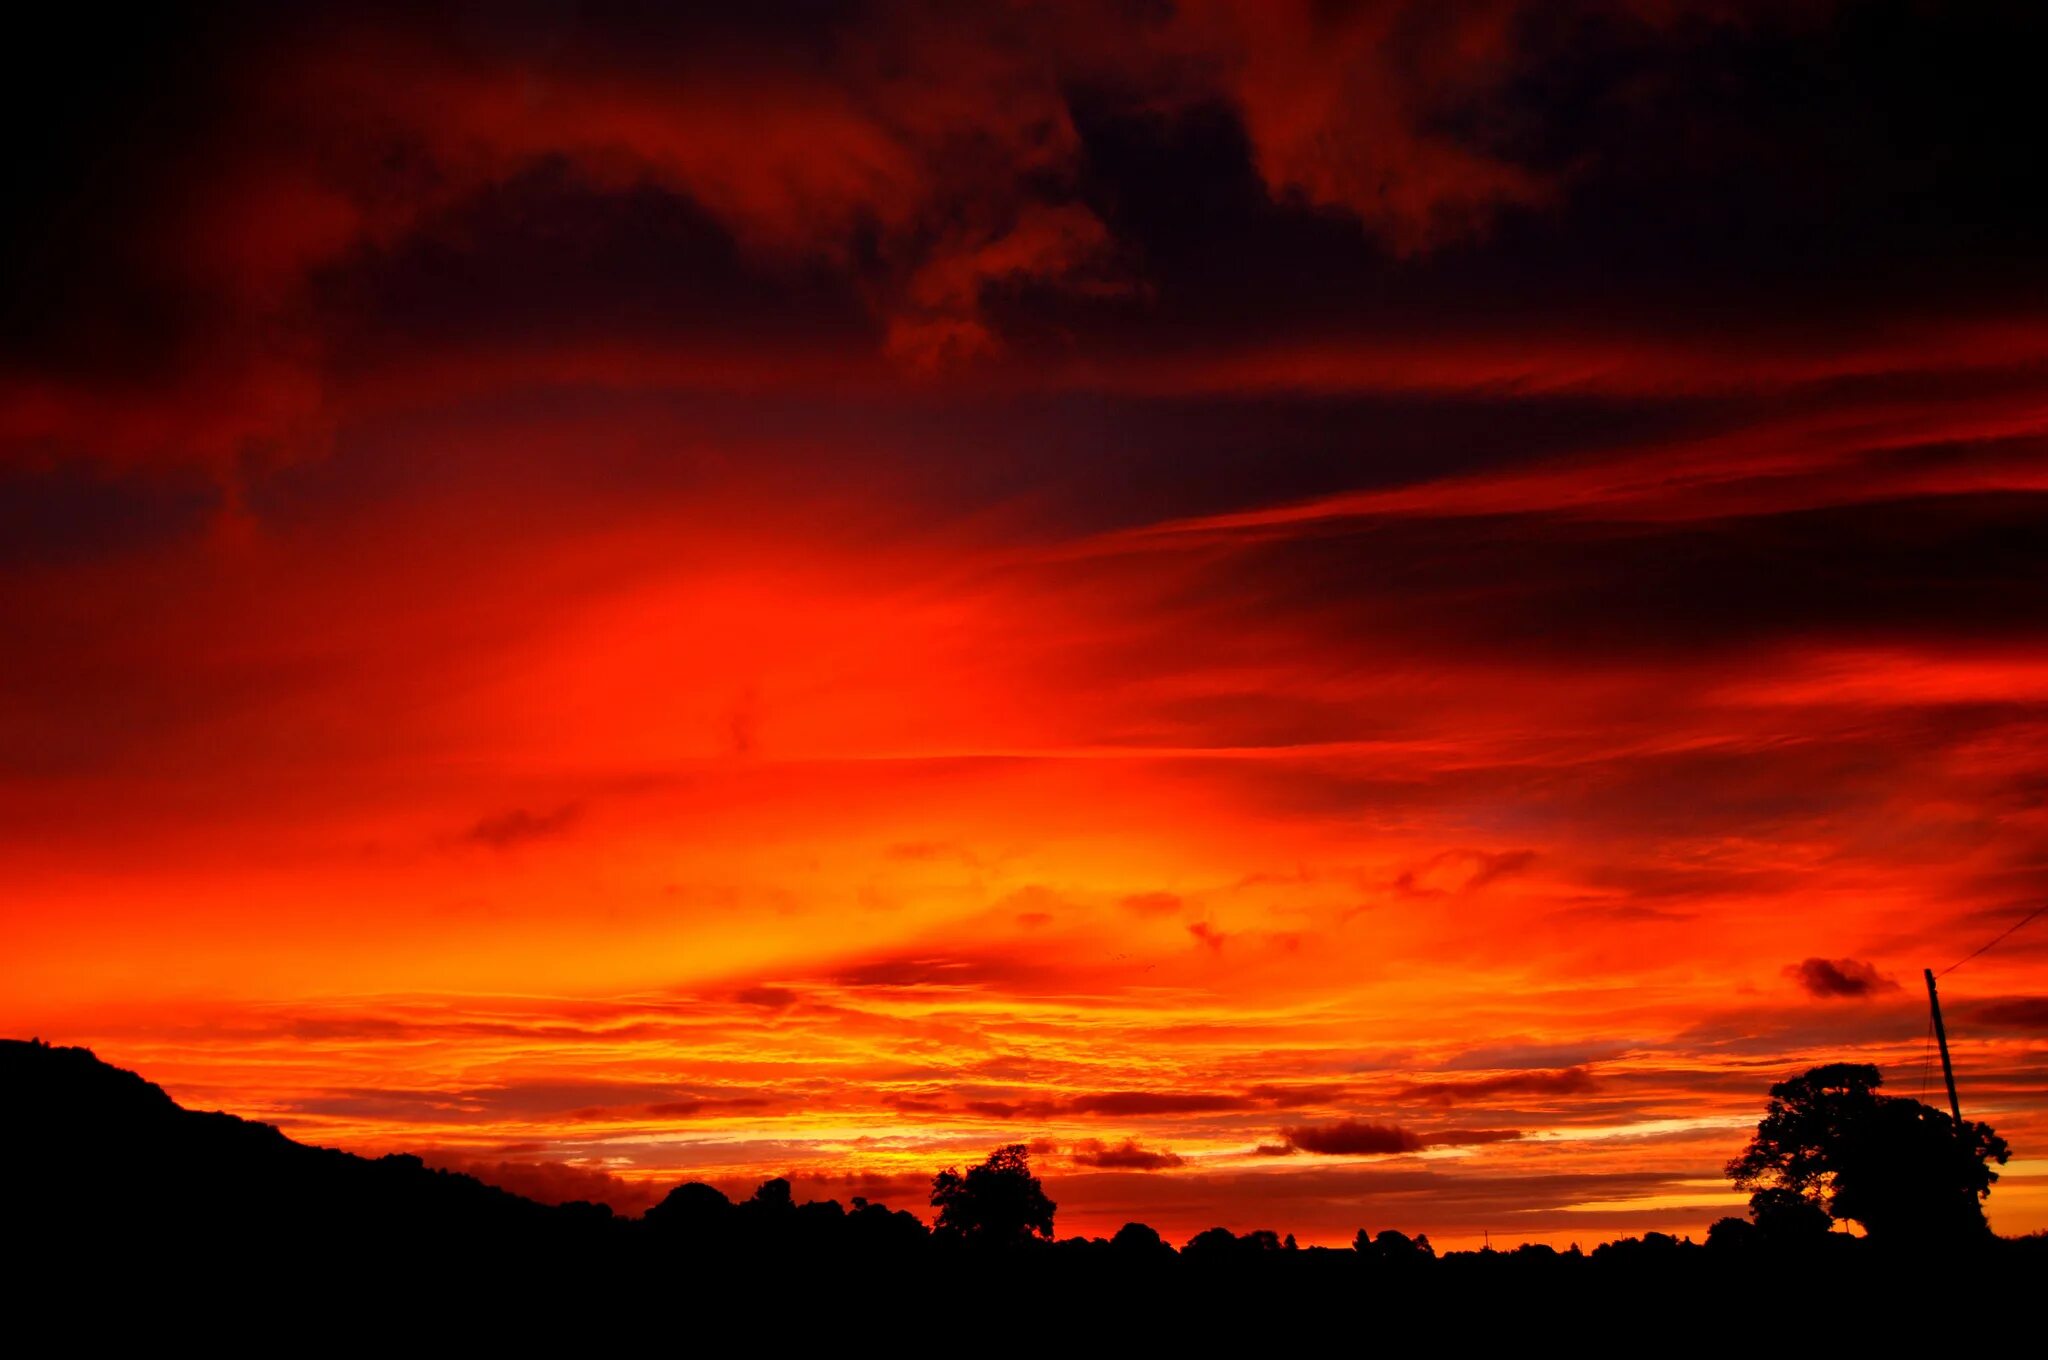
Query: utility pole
(1948, 1071)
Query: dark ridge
(109, 1190)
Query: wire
(1993, 940)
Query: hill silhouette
(104, 1179)
(98, 1159)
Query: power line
(1993, 940)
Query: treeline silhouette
(107, 1178)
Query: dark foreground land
(124, 1213)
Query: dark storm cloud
(1835, 140)
(1624, 161)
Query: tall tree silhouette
(996, 1204)
(1902, 1169)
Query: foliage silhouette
(1830, 1147)
(996, 1204)
(1256, 1242)
(1393, 1248)
(1140, 1239)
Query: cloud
(1529, 1053)
(1352, 1138)
(507, 830)
(1839, 979)
(1125, 1156)
(671, 1109)
(1287, 1097)
(1356, 1138)
(1151, 1104)
(2020, 1012)
(941, 324)
(1151, 903)
(1564, 1081)
(942, 968)
(1339, 106)
(1144, 1103)
(1472, 1137)
(994, 1109)
(1462, 871)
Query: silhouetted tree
(1829, 1144)
(1393, 1246)
(693, 1213)
(1140, 1238)
(773, 1197)
(1786, 1218)
(997, 1204)
(880, 1230)
(1731, 1234)
(1650, 1246)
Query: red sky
(1340, 616)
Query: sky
(1338, 616)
